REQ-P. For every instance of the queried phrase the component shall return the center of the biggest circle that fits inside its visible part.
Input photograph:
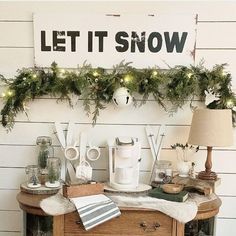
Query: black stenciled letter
(100, 35)
(120, 40)
(158, 37)
(90, 41)
(73, 35)
(175, 42)
(56, 41)
(44, 47)
(136, 40)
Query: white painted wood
(12, 59)
(18, 156)
(18, 34)
(228, 207)
(225, 227)
(10, 221)
(8, 200)
(11, 178)
(23, 11)
(220, 35)
(227, 187)
(112, 114)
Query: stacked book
(177, 197)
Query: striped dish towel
(95, 209)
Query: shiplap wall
(216, 43)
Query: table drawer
(131, 223)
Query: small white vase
(183, 168)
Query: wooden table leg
(58, 225)
(180, 229)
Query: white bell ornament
(122, 97)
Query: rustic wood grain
(126, 224)
(82, 190)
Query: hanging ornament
(122, 97)
(210, 97)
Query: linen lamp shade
(211, 128)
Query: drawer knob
(149, 228)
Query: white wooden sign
(106, 40)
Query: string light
(95, 74)
(224, 73)
(3, 95)
(34, 76)
(229, 103)
(189, 75)
(9, 93)
(128, 78)
(62, 71)
(154, 73)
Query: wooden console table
(131, 222)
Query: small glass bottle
(45, 151)
(53, 172)
(33, 173)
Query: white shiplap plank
(11, 221)
(17, 34)
(228, 207)
(150, 113)
(8, 200)
(225, 227)
(27, 155)
(219, 35)
(227, 186)
(12, 59)
(23, 11)
(11, 178)
(18, 156)
(27, 133)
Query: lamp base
(207, 175)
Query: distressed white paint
(18, 147)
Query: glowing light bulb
(9, 93)
(128, 78)
(62, 71)
(229, 103)
(154, 73)
(3, 95)
(34, 76)
(224, 73)
(189, 75)
(95, 74)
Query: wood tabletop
(30, 204)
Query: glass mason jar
(33, 173)
(163, 172)
(45, 151)
(53, 172)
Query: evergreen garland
(97, 85)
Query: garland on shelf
(97, 85)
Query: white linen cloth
(181, 211)
(95, 209)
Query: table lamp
(211, 128)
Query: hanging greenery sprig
(96, 87)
